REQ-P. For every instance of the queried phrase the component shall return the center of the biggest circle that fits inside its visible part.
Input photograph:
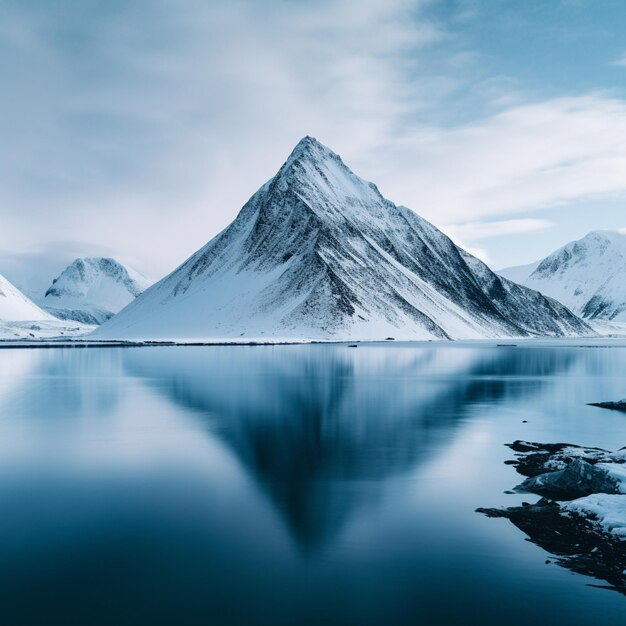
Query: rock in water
(318, 253)
(576, 480)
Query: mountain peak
(324, 183)
(311, 144)
(310, 150)
(604, 235)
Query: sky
(138, 128)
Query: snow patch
(608, 511)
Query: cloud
(472, 231)
(144, 126)
(526, 158)
(620, 61)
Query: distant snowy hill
(93, 289)
(588, 276)
(519, 273)
(318, 253)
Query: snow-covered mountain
(318, 253)
(93, 289)
(21, 318)
(588, 276)
(16, 307)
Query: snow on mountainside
(16, 307)
(21, 318)
(318, 253)
(587, 276)
(91, 290)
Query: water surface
(288, 485)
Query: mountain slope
(93, 289)
(16, 307)
(586, 275)
(318, 253)
(21, 318)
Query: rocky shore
(581, 515)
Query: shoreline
(523, 342)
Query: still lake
(311, 484)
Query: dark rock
(577, 480)
(532, 458)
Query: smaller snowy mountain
(587, 276)
(93, 289)
(21, 318)
(16, 307)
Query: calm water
(288, 485)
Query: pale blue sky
(138, 128)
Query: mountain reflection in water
(320, 428)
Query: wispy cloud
(144, 126)
(621, 60)
(475, 231)
(526, 158)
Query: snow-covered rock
(592, 481)
(587, 276)
(318, 253)
(576, 479)
(608, 511)
(93, 289)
